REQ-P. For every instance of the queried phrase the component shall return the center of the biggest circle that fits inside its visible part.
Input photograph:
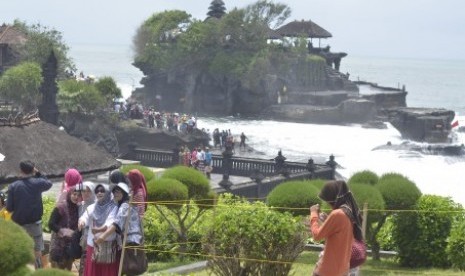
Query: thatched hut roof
(10, 35)
(52, 150)
(303, 28)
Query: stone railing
(238, 166)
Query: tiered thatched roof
(9, 35)
(52, 150)
(303, 28)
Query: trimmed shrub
(318, 183)
(456, 246)
(364, 177)
(165, 190)
(368, 194)
(197, 183)
(240, 232)
(295, 197)
(16, 247)
(422, 240)
(398, 191)
(147, 172)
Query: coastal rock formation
(431, 125)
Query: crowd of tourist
(171, 121)
(91, 221)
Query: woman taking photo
(339, 229)
(102, 259)
(64, 223)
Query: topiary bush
(16, 247)
(318, 183)
(369, 194)
(168, 192)
(147, 172)
(196, 182)
(425, 241)
(364, 177)
(456, 245)
(240, 234)
(398, 191)
(295, 197)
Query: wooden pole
(125, 237)
(364, 222)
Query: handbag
(135, 260)
(73, 249)
(359, 253)
(134, 257)
(105, 253)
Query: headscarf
(104, 207)
(69, 209)
(91, 200)
(72, 178)
(337, 193)
(118, 176)
(137, 180)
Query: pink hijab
(137, 180)
(72, 178)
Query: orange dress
(337, 233)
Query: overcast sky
(384, 28)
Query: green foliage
(456, 245)
(16, 247)
(74, 95)
(421, 237)
(41, 41)
(372, 196)
(364, 177)
(52, 272)
(197, 183)
(267, 13)
(168, 192)
(147, 172)
(294, 196)
(240, 232)
(398, 191)
(384, 235)
(108, 89)
(21, 84)
(49, 204)
(318, 183)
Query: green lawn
(305, 263)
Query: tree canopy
(41, 40)
(234, 44)
(20, 84)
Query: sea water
(430, 83)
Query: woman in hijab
(98, 217)
(339, 229)
(63, 223)
(121, 197)
(128, 213)
(139, 188)
(88, 198)
(72, 178)
(118, 176)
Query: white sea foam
(353, 148)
